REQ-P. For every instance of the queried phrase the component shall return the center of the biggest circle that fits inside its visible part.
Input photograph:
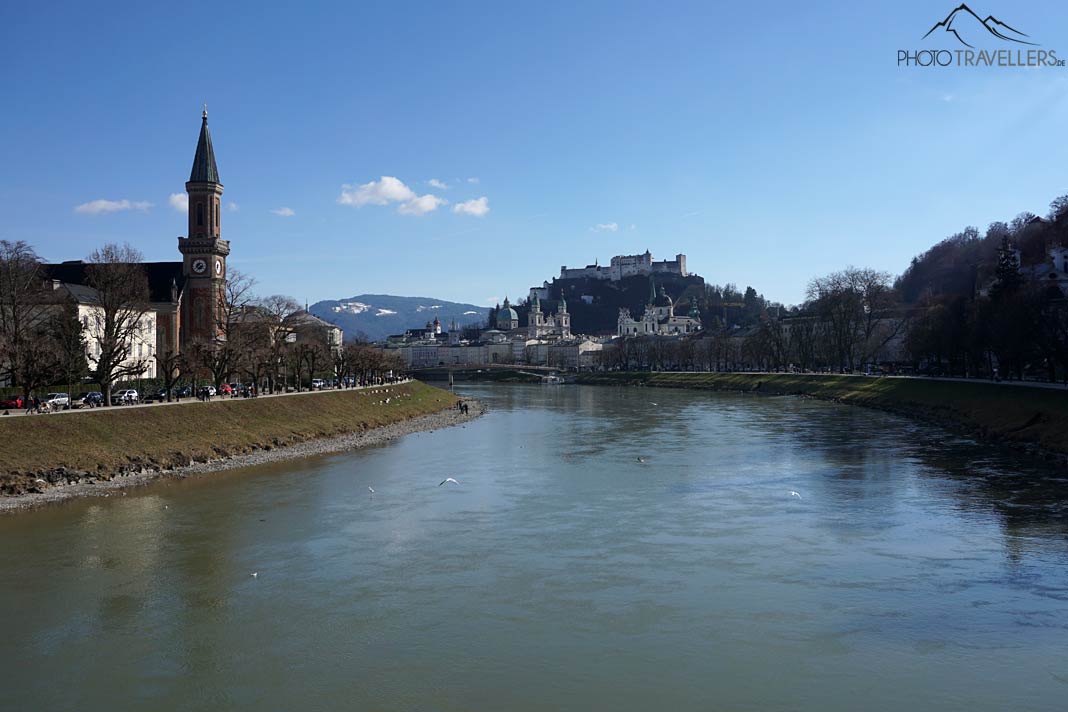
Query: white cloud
(232, 207)
(387, 190)
(96, 207)
(284, 212)
(435, 183)
(633, 226)
(378, 192)
(477, 207)
(472, 180)
(179, 201)
(605, 227)
(421, 205)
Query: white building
(141, 344)
(659, 318)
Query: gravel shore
(321, 446)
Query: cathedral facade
(659, 318)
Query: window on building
(216, 213)
(200, 214)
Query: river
(916, 570)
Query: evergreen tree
(1007, 273)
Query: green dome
(507, 314)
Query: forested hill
(963, 263)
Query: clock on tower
(204, 251)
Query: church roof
(161, 275)
(204, 168)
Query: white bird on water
(641, 459)
(795, 494)
(448, 479)
(371, 490)
(254, 574)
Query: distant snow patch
(385, 312)
(470, 312)
(423, 308)
(351, 308)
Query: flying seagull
(795, 494)
(448, 479)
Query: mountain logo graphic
(965, 25)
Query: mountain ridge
(377, 316)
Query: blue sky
(770, 142)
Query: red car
(9, 403)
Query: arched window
(200, 214)
(216, 213)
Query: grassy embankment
(119, 439)
(1014, 414)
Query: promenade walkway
(214, 399)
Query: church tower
(204, 251)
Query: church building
(187, 296)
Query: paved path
(214, 399)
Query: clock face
(200, 266)
(218, 267)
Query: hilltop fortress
(627, 266)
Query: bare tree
(221, 355)
(24, 316)
(170, 366)
(122, 305)
(276, 312)
(851, 304)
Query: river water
(917, 570)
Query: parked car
(89, 399)
(317, 383)
(9, 403)
(58, 401)
(208, 391)
(226, 389)
(127, 397)
(160, 395)
(184, 392)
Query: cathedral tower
(204, 251)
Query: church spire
(204, 168)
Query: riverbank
(1029, 418)
(48, 458)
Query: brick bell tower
(204, 251)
